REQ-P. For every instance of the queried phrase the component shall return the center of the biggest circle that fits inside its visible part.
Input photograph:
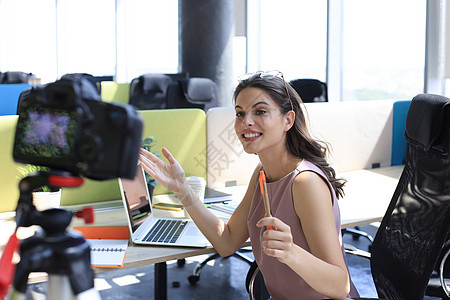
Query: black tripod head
(52, 220)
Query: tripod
(63, 255)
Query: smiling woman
(306, 260)
(303, 189)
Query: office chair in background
(310, 90)
(148, 91)
(193, 92)
(90, 86)
(409, 242)
(94, 80)
(14, 77)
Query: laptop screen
(136, 197)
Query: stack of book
(214, 196)
(227, 208)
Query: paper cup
(46, 200)
(198, 185)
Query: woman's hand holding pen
(277, 242)
(171, 175)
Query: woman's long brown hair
(299, 141)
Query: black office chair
(411, 236)
(192, 92)
(410, 239)
(310, 90)
(149, 91)
(14, 77)
(439, 281)
(87, 87)
(93, 80)
(254, 283)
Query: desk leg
(161, 281)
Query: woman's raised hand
(170, 175)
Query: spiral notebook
(108, 253)
(108, 244)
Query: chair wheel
(193, 279)
(181, 262)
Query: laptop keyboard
(166, 231)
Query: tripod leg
(81, 276)
(21, 277)
(58, 287)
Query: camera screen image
(47, 133)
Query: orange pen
(263, 186)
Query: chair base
(195, 277)
(434, 288)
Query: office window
(27, 35)
(149, 38)
(383, 49)
(86, 37)
(293, 37)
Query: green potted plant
(147, 144)
(43, 197)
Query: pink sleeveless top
(281, 281)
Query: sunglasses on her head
(268, 75)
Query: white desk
(367, 195)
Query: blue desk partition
(400, 110)
(9, 97)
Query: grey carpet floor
(220, 279)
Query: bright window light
(383, 49)
(293, 37)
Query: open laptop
(145, 228)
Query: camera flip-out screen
(46, 133)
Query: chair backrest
(148, 91)
(310, 90)
(91, 79)
(87, 87)
(415, 226)
(14, 77)
(193, 92)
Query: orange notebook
(108, 244)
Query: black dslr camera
(65, 126)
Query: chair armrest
(350, 249)
(441, 273)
